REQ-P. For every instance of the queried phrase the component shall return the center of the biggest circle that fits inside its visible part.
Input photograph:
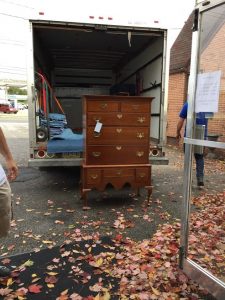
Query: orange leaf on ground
(35, 288)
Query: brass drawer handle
(141, 119)
(142, 175)
(140, 135)
(94, 176)
(96, 119)
(118, 148)
(96, 154)
(140, 153)
(119, 116)
(118, 130)
(96, 134)
(104, 105)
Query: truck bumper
(70, 162)
(56, 162)
(158, 160)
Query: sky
(14, 15)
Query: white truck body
(93, 55)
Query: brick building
(178, 80)
(212, 59)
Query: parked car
(8, 109)
(21, 106)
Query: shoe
(201, 184)
(4, 271)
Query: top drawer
(103, 106)
(135, 106)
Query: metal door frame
(214, 285)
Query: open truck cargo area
(69, 60)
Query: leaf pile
(123, 269)
(207, 233)
(214, 166)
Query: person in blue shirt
(199, 158)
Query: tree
(13, 90)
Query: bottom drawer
(118, 176)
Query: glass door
(202, 251)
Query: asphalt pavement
(46, 201)
(47, 204)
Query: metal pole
(188, 149)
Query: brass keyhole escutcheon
(118, 130)
(94, 176)
(119, 173)
(118, 148)
(119, 116)
(135, 106)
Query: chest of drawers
(118, 153)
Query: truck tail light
(41, 154)
(155, 152)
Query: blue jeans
(199, 159)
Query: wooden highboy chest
(116, 143)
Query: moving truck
(90, 55)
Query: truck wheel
(42, 134)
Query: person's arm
(10, 163)
(179, 127)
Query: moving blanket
(56, 122)
(67, 134)
(56, 117)
(66, 142)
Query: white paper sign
(207, 92)
(98, 127)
